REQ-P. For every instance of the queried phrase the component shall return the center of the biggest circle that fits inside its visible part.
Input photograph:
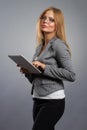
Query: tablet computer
(22, 62)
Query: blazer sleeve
(65, 70)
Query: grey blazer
(58, 68)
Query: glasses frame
(49, 19)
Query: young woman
(53, 57)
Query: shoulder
(60, 47)
(59, 44)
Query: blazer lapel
(45, 50)
(38, 49)
(47, 47)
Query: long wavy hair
(60, 26)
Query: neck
(48, 37)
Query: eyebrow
(47, 16)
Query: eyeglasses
(50, 19)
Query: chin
(45, 30)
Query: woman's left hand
(39, 64)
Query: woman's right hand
(23, 70)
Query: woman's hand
(39, 64)
(23, 70)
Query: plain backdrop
(18, 36)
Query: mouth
(44, 26)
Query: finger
(33, 63)
(18, 65)
(21, 70)
(36, 65)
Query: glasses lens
(51, 19)
(48, 18)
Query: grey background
(17, 36)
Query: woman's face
(48, 23)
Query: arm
(28, 75)
(65, 71)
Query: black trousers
(47, 112)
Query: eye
(43, 17)
(51, 19)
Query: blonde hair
(60, 27)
